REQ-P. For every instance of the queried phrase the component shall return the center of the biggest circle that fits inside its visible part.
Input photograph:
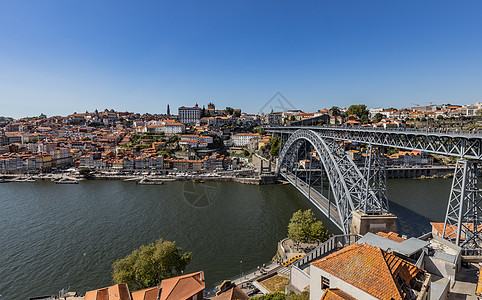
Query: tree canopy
(335, 111)
(275, 146)
(377, 117)
(149, 265)
(305, 227)
(360, 111)
(229, 110)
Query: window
(325, 283)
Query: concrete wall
(315, 285)
(299, 279)
(440, 267)
(362, 223)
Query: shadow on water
(418, 202)
(409, 222)
(415, 202)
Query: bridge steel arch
(349, 187)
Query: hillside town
(197, 139)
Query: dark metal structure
(352, 189)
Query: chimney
(159, 293)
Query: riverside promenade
(245, 281)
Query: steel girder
(463, 220)
(348, 185)
(376, 173)
(468, 145)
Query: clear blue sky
(58, 57)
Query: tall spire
(168, 110)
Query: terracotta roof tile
(451, 231)
(391, 236)
(336, 294)
(146, 294)
(234, 293)
(370, 269)
(182, 287)
(115, 292)
(478, 289)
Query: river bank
(258, 180)
(392, 173)
(420, 172)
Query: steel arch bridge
(467, 144)
(350, 188)
(463, 220)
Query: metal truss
(463, 221)
(375, 173)
(349, 187)
(461, 145)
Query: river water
(53, 236)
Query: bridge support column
(463, 221)
(362, 223)
(376, 175)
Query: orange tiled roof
(115, 292)
(336, 294)
(182, 287)
(478, 289)
(451, 230)
(146, 294)
(370, 269)
(234, 293)
(391, 236)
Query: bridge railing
(335, 242)
(462, 132)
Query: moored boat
(66, 180)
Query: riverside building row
(102, 141)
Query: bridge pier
(361, 223)
(375, 174)
(463, 220)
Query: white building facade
(189, 115)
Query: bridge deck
(320, 201)
(452, 133)
(467, 144)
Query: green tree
(275, 146)
(280, 296)
(149, 265)
(335, 111)
(377, 117)
(229, 110)
(479, 112)
(360, 111)
(273, 296)
(259, 130)
(392, 150)
(318, 232)
(304, 226)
